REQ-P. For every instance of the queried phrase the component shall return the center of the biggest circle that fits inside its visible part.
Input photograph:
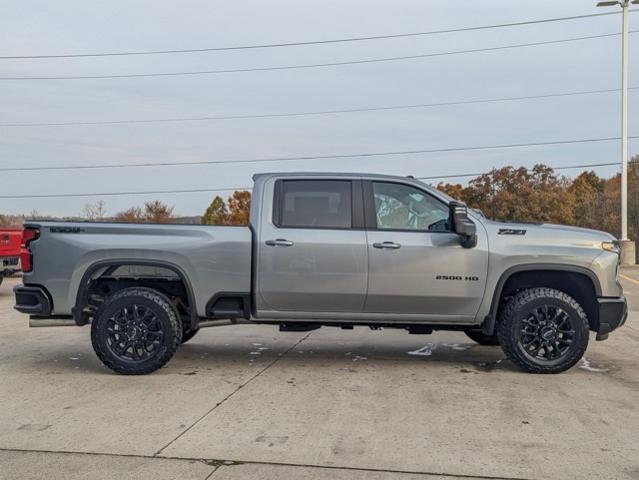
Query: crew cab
(327, 250)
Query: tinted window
(402, 207)
(315, 204)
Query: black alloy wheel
(136, 331)
(543, 330)
(547, 333)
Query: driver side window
(402, 207)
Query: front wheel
(543, 330)
(136, 331)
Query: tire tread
(174, 319)
(509, 346)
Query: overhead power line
(311, 113)
(311, 157)
(210, 190)
(314, 65)
(302, 43)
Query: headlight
(611, 246)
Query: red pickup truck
(10, 241)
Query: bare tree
(94, 211)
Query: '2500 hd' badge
(467, 278)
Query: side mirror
(462, 225)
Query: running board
(221, 322)
(69, 322)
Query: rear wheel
(136, 331)
(543, 330)
(481, 338)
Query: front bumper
(32, 300)
(613, 313)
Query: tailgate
(10, 239)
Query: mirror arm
(469, 241)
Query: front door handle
(279, 242)
(387, 245)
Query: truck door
(416, 264)
(312, 248)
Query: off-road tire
(519, 310)
(167, 320)
(189, 334)
(481, 338)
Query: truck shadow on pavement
(202, 359)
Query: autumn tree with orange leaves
(153, 212)
(540, 195)
(237, 212)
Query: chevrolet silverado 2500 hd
(327, 250)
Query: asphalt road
(248, 402)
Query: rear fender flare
(82, 296)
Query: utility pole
(627, 246)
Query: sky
(33, 27)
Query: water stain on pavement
(425, 351)
(271, 440)
(592, 366)
(490, 366)
(33, 427)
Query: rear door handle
(279, 242)
(387, 245)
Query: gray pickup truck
(332, 249)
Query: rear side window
(314, 204)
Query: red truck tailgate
(10, 239)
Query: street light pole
(624, 122)
(627, 247)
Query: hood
(577, 230)
(563, 231)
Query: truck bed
(213, 259)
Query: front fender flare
(488, 326)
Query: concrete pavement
(326, 404)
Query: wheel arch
(583, 286)
(82, 295)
